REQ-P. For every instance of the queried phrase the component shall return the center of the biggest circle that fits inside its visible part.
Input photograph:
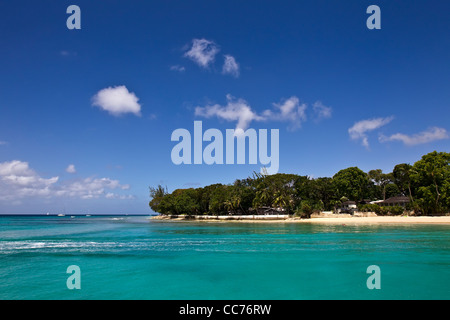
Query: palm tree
(263, 197)
(281, 200)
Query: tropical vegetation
(426, 183)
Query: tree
(302, 187)
(157, 194)
(242, 194)
(185, 201)
(431, 176)
(391, 190)
(351, 182)
(322, 191)
(380, 179)
(166, 205)
(277, 190)
(281, 200)
(234, 200)
(306, 209)
(401, 177)
(428, 181)
(217, 200)
(205, 196)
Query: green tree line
(426, 183)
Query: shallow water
(134, 258)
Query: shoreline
(347, 219)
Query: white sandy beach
(343, 219)
(382, 220)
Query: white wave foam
(49, 246)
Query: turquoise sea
(135, 258)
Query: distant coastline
(75, 214)
(419, 190)
(328, 219)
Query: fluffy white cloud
(117, 101)
(71, 169)
(202, 52)
(429, 135)
(239, 110)
(18, 181)
(230, 66)
(360, 128)
(235, 110)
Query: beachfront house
(347, 207)
(395, 201)
(267, 211)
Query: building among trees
(402, 201)
(422, 188)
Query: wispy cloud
(192, 184)
(117, 101)
(177, 68)
(111, 195)
(432, 134)
(88, 188)
(3, 143)
(321, 111)
(202, 52)
(68, 53)
(289, 110)
(360, 129)
(19, 181)
(230, 66)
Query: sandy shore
(445, 220)
(382, 220)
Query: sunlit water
(135, 258)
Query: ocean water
(134, 258)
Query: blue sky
(357, 97)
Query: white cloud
(71, 169)
(235, 110)
(89, 188)
(430, 135)
(239, 110)
(360, 128)
(3, 143)
(321, 111)
(289, 111)
(19, 181)
(67, 53)
(111, 195)
(117, 101)
(230, 66)
(177, 68)
(202, 52)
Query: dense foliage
(426, 183)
